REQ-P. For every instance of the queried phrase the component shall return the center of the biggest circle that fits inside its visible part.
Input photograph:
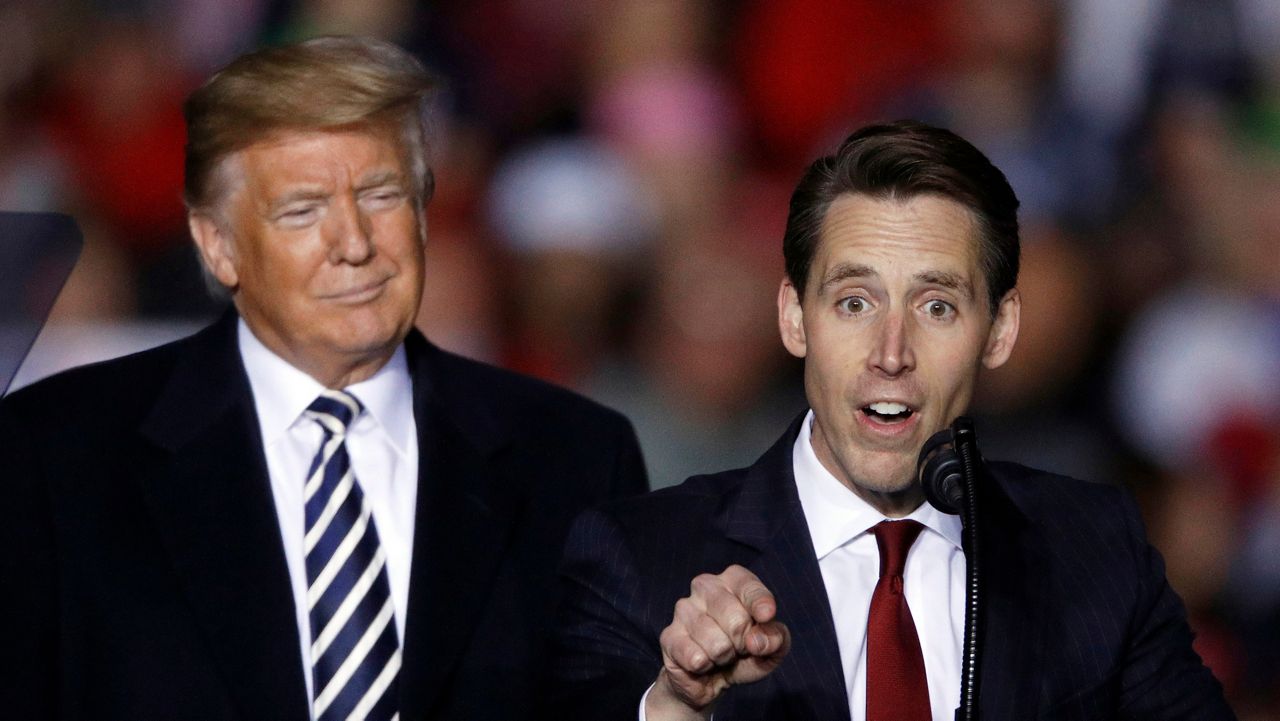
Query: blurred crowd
(612, 186)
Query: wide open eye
(939, 309)
(853, 304)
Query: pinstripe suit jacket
(1080, 621)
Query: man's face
(893, 326)
(323, 247)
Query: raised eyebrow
(843, 272)
(953, 281)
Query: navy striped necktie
(355, 656)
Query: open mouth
(887, 412)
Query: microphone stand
(966, 446)
(951, 479)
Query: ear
(791, 319)
(1004, 330)
(216, 248)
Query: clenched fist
(723, 634)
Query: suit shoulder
(686, 505)
(1033, 489)
(124, 383)
(1069, 508)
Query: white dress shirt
(382, 443)
(840, 527)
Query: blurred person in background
(575, 219)
(1197, 384)
(113, 116)
(701, 376)
(305, 510)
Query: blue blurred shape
(37, 253)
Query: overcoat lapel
(209, 494)
(766, 515)
(467, 503)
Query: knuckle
(733, 574)
(690, 656)
(736, 623)
(702, 583)
(671, 637)
(712, 637)
(685, 610)
(720, 648)
(757, 593)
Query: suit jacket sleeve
(28, 579)
(1163, 677)
(606, 651)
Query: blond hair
(323, 83)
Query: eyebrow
(944, 279)
(277, 205)
(373, 181)
(953, 281)
(378, 179)
(844, 271)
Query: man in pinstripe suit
(901, 265)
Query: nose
(351, 233)
(891, 353)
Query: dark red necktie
(896, 685)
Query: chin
(364, 338)
(884, 472)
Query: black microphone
(942, 473)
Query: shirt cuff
(644, 698)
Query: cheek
(955, 384)
(830, 372)
(839, 357)
(287, 257)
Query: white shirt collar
(836, 515)
(282, 392)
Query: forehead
(303, 152)
(319, 159)
(924, 232)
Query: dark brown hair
(902, 160)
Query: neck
(342, 376)
(892, 498)
(334, 371)
(893, 504)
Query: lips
(890, 420)
(888, 412)
(358, 294)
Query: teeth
(885, 408)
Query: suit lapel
(766, 515)
(1015, 588)
(212, 504)
(466, 506)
